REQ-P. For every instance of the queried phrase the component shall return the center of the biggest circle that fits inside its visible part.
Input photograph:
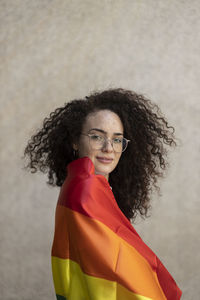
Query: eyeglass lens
(118, 144)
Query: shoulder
(80, 191)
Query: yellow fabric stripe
(101, 253)
(72, 283)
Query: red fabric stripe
(91, 196)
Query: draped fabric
(96, 252)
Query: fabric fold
(96, 252)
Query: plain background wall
(55, 51)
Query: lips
(104, 160)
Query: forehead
(105, 120)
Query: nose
(107, 147)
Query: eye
(96, 137)
(117, 140)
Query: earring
(75, 153)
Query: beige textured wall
(54, 51)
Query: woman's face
(104, 123)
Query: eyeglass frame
(107, 139)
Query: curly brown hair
(50, 149)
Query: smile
(104, 160)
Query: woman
(106, 152)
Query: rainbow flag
(96, 252)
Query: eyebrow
(103, 131)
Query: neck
(105, 175)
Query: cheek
(83, 148)
(86, 151)
(117, 158)
(119, 155)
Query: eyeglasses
(97, 142)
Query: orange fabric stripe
(102, 253)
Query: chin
(104, 171)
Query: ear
(75, 147)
